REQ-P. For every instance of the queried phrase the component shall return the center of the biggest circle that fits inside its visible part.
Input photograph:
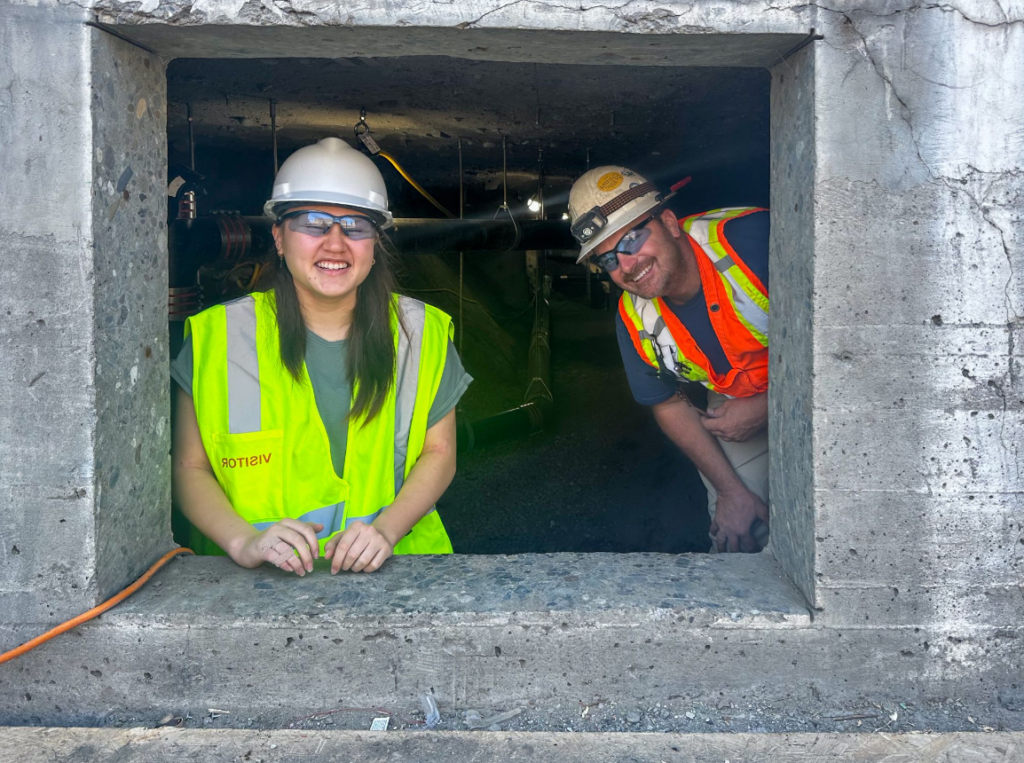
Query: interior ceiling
(666, 121)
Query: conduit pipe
(207, 238)
(427, 236)
(533, 414)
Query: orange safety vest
(737, 304)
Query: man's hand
(735, 515)
(361, 548)
(738, 419)
(279, 543)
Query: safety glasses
(631, 243)
(314, 223)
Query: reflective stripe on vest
(741, 325)
(649, 346)
(748, 295)
(266, 441)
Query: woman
(318, 417)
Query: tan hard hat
(605, 200)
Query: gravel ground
(601, 477)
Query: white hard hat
(605, 200)
(331, 172)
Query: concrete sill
(476, 630)
(621, 588)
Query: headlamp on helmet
(588, 225)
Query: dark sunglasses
(631, 243)
(314, 223)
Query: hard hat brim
(272, 208)
(622, 219)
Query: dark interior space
(597, 475)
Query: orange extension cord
(98, 610)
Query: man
(694, 309)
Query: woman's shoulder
(418, 313)
(246, 311)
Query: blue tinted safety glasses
(314, 223)
(631, 243)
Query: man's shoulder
(748, 236)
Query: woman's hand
(278, 545)
(361, 548)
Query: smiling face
(325, 269)
(664, 265)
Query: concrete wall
(84, 433)
(791, 330)
(918, 300)
(896, 278)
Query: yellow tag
(609, 181)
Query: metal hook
(361, 123)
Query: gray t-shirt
(325, 363)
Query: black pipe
(516, 422)
(412, 236)
(533, 414)
(427, 236)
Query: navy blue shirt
(748, 236)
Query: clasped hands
(737, 419)
(292, 546)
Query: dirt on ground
(600, 477)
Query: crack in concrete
(910, 8)
(653, 18)
(905, 112)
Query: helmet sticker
(609, 181)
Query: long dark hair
(370, 361)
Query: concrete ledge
(480, 629)
(706, 588)
(39, 745)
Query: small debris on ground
(476, 722)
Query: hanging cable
(191, 138)
(362, 132)
(414, 184)
(98, 610)
(273, 132)
(462, 256)
(504, 171)
(504, 194)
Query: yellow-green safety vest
(267, 443)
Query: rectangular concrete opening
(896, 506)
(638, 96)
(523, 131)
(751, 147)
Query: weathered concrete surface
(489, 632)
(158, 745)
(733, 33)
(475, 629)
(83, 391)
(909, 274)
(791, 330)
(918, 302)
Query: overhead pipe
(412, 236)
(532, 415)
(427, 236)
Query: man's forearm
(681, 422)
